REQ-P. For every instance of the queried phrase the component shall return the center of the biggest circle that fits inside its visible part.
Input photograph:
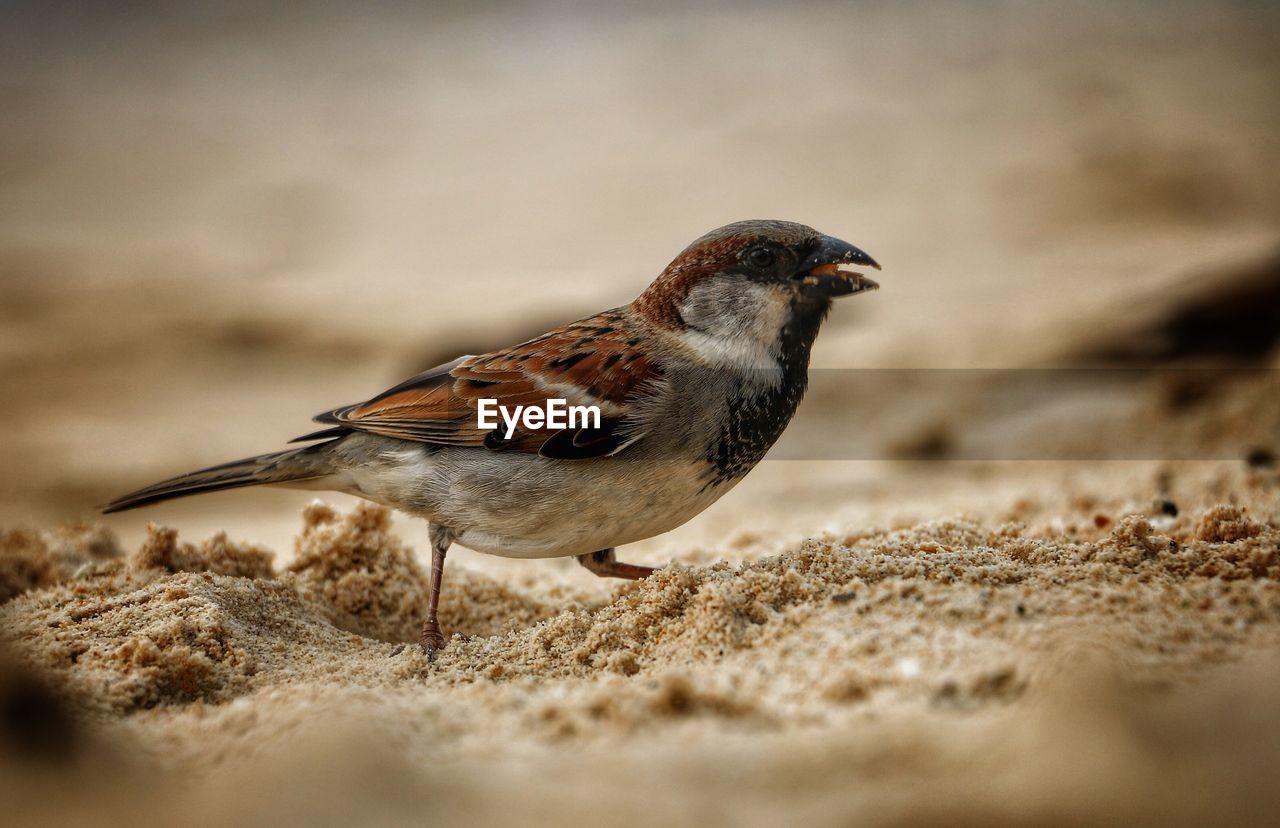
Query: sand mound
(368, 582)
(174, 623)
(912, 649)
(30, 559)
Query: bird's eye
(760, 256)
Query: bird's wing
(591, 362)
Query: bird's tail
(298, 464)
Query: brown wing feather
(591, 362)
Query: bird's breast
(754, 417)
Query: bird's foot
(432, 639)
(606, 565)
(631, 572)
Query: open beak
(823, 271)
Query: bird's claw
(432, 641)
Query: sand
(975, 669)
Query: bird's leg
(432, 639)
(605, 564)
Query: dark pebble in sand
(1261, 458)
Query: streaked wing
(590, 362)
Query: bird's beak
(821, 272)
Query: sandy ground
(1068, 658)
(972, 588)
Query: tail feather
(305, 463)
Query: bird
(690, 384)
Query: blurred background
(219, 219)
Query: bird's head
(755, 282)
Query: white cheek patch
(735, 323)
(737, 352)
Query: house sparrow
(693, 381)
